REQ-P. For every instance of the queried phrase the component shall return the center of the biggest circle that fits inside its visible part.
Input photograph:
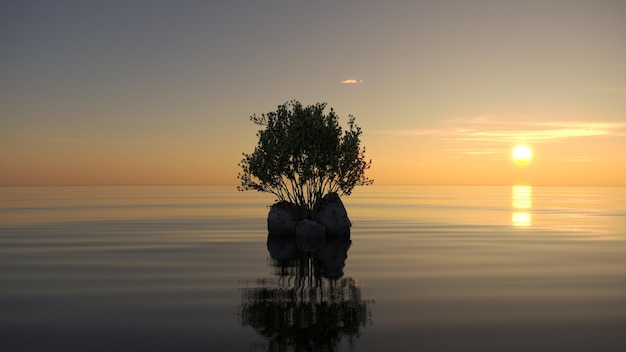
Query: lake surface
(515, 268)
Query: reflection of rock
(309, 306)
(333, 257)
(327, 262)
(282, 219)
(310, 235)
(333, 215)
(282, 248)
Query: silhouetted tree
(303, 155)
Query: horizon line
(377, 184)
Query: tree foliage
(303, 154)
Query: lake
(428, 268)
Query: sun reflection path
(522, 203)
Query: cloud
(494, 131)
(424, 132)
(543, 131)
(351, 81)
(491, 139)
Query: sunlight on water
(522, 203)
(522, 197)
(521, 219)
(516, 268)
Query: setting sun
(522, 155)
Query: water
(426, 268)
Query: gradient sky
(160, 92)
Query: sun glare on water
(522, 155)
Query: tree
(302, 155)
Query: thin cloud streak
(425, 132)
(531, 135)
(506, 131)
(351, 81)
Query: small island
(308, 162)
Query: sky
(160, 92)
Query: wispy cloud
(419, 132)
(542, 131)
(352, 81)
(483, 129)
(491, 139)
(475, 152)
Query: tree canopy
(303, 154)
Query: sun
(522, 155)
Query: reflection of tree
(308, 306)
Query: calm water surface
(426, 268)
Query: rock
(282, 219)
(310, 236)
(333, 215)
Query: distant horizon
(355, 190)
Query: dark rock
(282, 219)
(310, 235)
(333, 215)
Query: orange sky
(478, 151)
(443, 92)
